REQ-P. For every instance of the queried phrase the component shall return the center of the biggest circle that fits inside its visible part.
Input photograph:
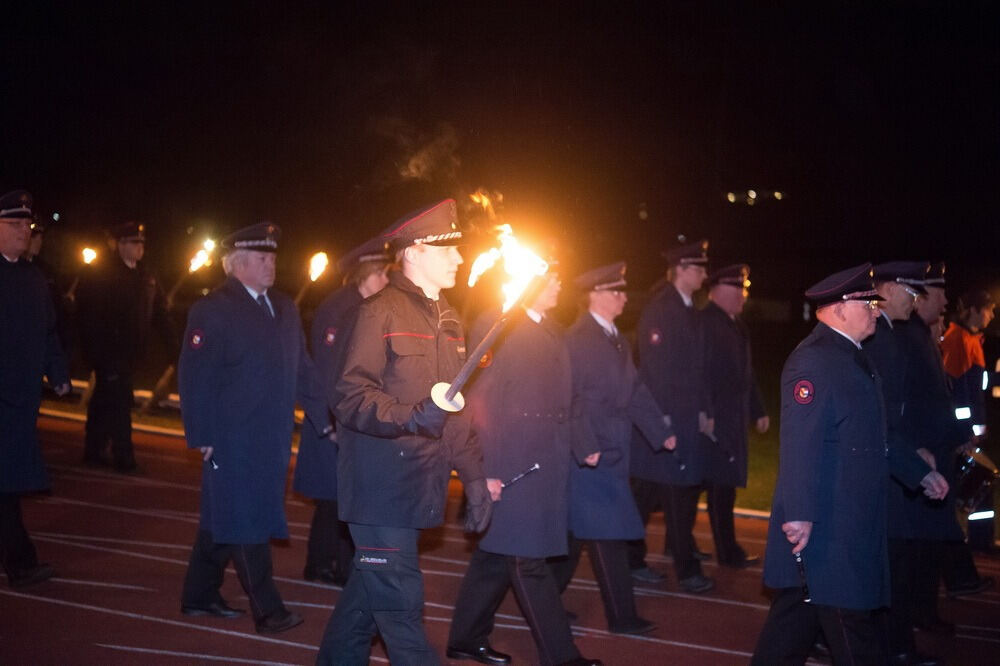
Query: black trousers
(17, 553)
(721, 500)
(330, 545)
(483, 588)
(253, 568)
(649, 497)
(384, 593)
(609, 560)
(854, 637)
(109, 417)
(958, 568)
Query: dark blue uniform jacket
(240, 371)
(610, 396)
(833, 471)
(316, 463)
(402, 344)
(31, 349)
(672, 364)
(734, 394)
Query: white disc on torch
(456, 404)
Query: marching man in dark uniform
(607, 391)
(672, 364)
(330, 549)
(31, 347)
(830, 499)
(119, 304)
(911, 522)
(736, 403)
(241, 368)
(522, 414)
(397, 447)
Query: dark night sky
(882, 125)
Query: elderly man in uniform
(119, 303)
(241, 368)
(397, 446)
(521, 404)
(607, 391)
(830, 499)
(736, 403)
(898, 284)
(672, 365)
(330, 549)
(31, 347)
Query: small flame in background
(519, 262)
(485, 200)
(317, 265)
(89, 254)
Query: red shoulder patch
(486, 360)
(197, 338)
(329, 336)
(803, 392)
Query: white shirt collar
(888, 319)
(688, 301)
(13, 261)
(853, 341)
(254, 294)
(608, 326)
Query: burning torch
(88, 255)
(203, 257)
(523, 266)
(317, 266)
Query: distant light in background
(751, 197)
(55, 217)
(779, 196)
(730, 197)
(752, 194)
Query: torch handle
(472, 360)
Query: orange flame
(519, 262)
(89, 254)
(317, 265)
(484, 200)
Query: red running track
(120, 546)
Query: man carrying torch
(397, 447)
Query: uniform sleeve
(464, 451)
(806, 410)
(647, 417)
(309, 390)
(56, 366)
(364, 405)
(90, 315)
(201, 361)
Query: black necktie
(262, 301)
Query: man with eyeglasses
(826, 556)
(912, 463)
(120, 304)
(31, 349)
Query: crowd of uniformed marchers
(564, 442)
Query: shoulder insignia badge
(803, 392)
(197, 338)
(329, 336)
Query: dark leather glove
(479, 508)
(427, 419)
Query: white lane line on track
(97, 583)
(601, 633)
(126, 542)
(969, 627)
(648, 592)
(970, 637)
(160, 620)
(191, 655)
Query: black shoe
(325, 575)
(32, 575)
(697, 584)
(635, 627)
(968, 589)
(215, 609)
(582, 661)
(647, 575)
(744, 563)
(483, 654)
(278, 622)
(914, 659)
(701, 555)
(820, 652)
